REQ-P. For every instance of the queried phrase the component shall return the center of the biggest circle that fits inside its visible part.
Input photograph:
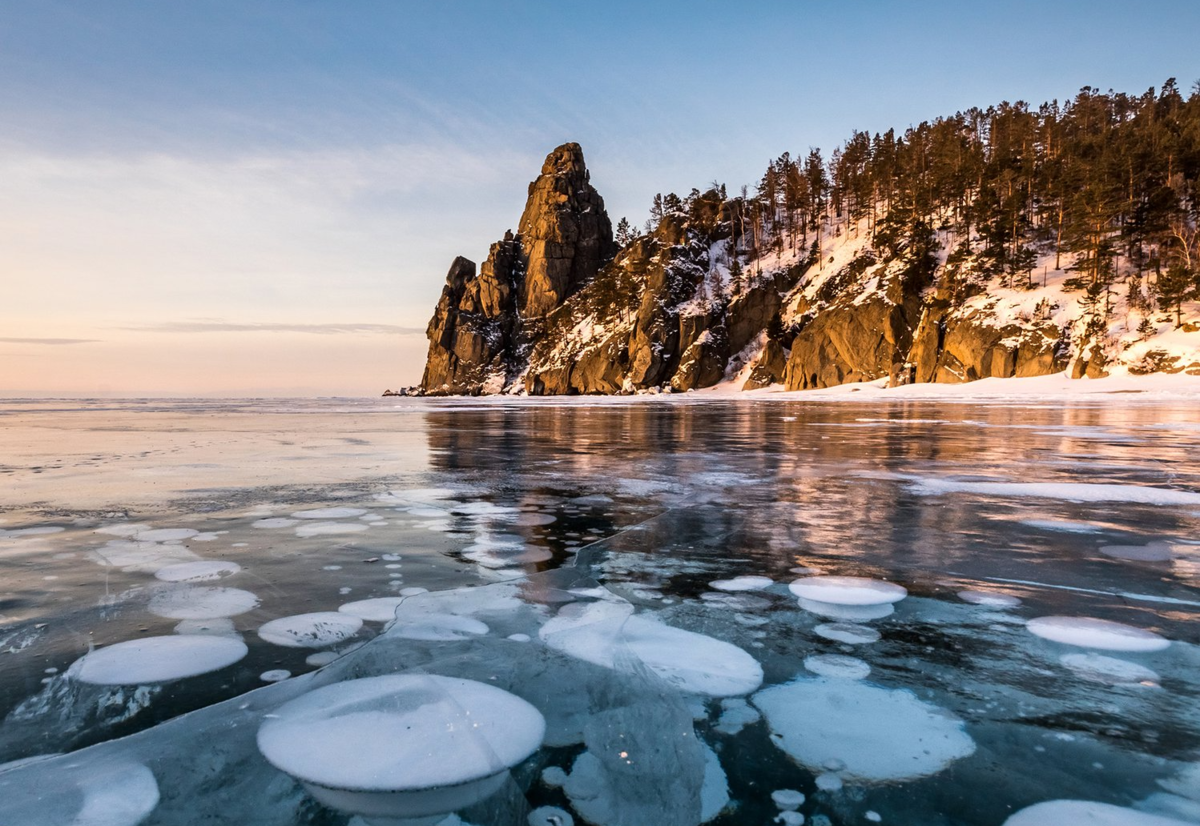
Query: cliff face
(557, 309)
(483, 325)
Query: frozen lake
(734, 612)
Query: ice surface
(401, 733)
(203, 571)
(1109, 669)
(611, 635)
(990, 599)
(315, 630)
(1088, 632)
(1085, 813)
(741, 583)
(878, 734)
(847, 590)
(221, 626)
(86, 792)
(847, 632)
(156, 660)
(329, 513)
(203, 602)
(438, 627)
(837, 666)
(379, 609)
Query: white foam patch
(847, 632)
(1085, 813)
(1087, 632)
(207, 570)
(220, 627)
(1110, 670)
(157, 660)
(742, 583)
(401, 733)
(877, 734)
(837, 666)
(847, 590)
(1066, 491)
(379, 609)
(315, 630)
(608, 634)
(275, 675)
(275, 522)
(990, 599)
(330, 528)
(438, 627)
(201, 603)
(329, 513)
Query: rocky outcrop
(482, 327)
(557, 309)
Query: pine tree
(624, 233)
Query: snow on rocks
(847, 632)
(837, 666)
(742, 583)
(1088, 632)
(607, 633)
(157, 660)
(1085, 813)
(201, 602)
(379, 609)
(404, 735)
(877, 734)
(206, 570)
(315, 630)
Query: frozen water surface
(992, 612)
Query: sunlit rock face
(478, 333)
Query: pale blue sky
(242, 197)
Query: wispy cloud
(271, 327)
(50, 341)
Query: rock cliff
(698, 300)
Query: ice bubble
(787, 800)
(275, 675)
(1062, 525)
(380, 609)
(402, 734)
(792, 819)
(503, 554)
(164, 534)
(737, 602)
(873, 816)
(1067, 491)
(371, 517)
(485, 509)
(275, 522)
(40, 530)
(315, 630)
(553, 776)
(156, 660)
(1150, 552)
(847, 632)
(146, 557)
(1109, 670)
(1085, 813)
(438, 627)
(736, 714)
(878, 734)
(847, 590)
(714, 790)
(741, 583)
(848, 613)
(550, 816)
(519, 637)
(201, 603)
(85, 793)
(1087, 632)
(534, 520)
(605, 633)
(412, 592)
(427, 513)
(838, 666)
(329, 513)
(220, 626)
(203, 571)
(330, 528)
(828, 782)
(321, 658)
(990, 599)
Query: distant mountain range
(999, 242)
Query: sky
(262, 198)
